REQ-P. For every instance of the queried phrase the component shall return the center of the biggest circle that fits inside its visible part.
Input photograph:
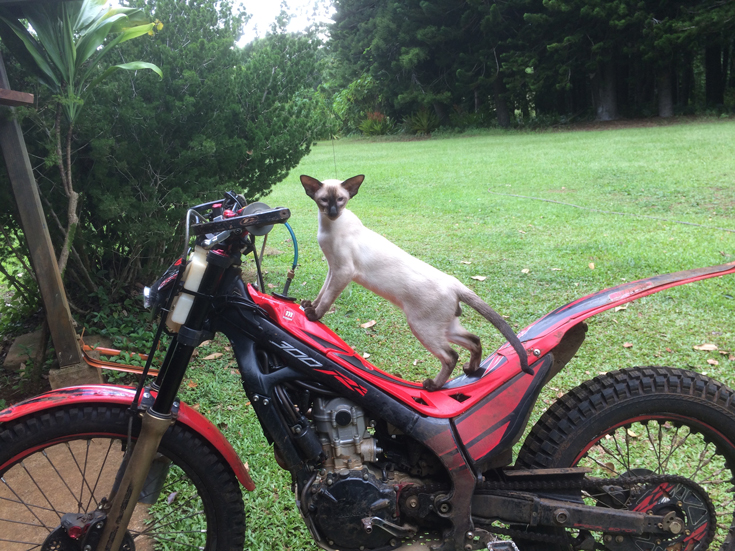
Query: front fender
(118, 395)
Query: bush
(376, 124)
(423, 121)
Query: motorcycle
(637, 459)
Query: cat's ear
(311, 185)
(353, 184)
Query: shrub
(423, 121)
(376, 124)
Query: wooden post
(43, 257)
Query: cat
(428, 297)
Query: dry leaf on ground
(592, 265)
(479, 278)
(627, 345)
(368, 324)
(708, 347)
(213, 356)
(465, 262)
(525, 271)
(365, 355)
(623, 307)
(713, 362)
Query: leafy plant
(376, 124)
(423, 121)
(68, 43)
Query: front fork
(125, 499)
(159, 417)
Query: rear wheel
(65, 461)
(638, 422)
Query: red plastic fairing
(109, 394)
(461, 393)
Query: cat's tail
(471, 299)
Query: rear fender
(118, 395)
(546, 333)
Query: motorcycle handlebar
(278, 215)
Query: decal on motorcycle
(298, 354)
(349, 383)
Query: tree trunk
(604, 93)
(713, 75)
(72, 219)
(665, 92)
(501, 106)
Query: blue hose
(295, 259)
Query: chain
(590, 485)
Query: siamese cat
(429, 297)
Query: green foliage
(352, 104)
(423, 122)
(69, 41)
(376, 124)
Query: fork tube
(124, 501)
(158, 417)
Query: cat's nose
(332, 211)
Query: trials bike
(639, 459)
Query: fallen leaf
(304, 283)
(213, 356)
(669, 350)
(195, 353)
(610, 467)
(171, 497)
(195, 407)
(368, 324)
(479, 278)
(205, 343)
(521, 231)
(627, 345)
(556, 269)
(592, 265)
(708, 347)
(731, 357)
(724, 352)
(713, 362)
(415, 362)
(525, 271)
(465, 262)
(228, 349)
(623, 307)
(247, 466)
(632, 434)
(365, 355)
(192, 384)
(271, 286)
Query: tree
(221, 119)
(70, 42)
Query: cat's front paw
(430, 385)
(309, 310)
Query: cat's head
(331, 196)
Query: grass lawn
(454, 203)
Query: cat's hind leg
(448, 358)
(460, 336)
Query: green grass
(450, 200)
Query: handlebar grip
(275, 216)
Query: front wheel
(638, 422)
(65, 461)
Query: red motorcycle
(640, 459)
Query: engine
(351, 501)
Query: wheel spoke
(20, 500)
(99, 474)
